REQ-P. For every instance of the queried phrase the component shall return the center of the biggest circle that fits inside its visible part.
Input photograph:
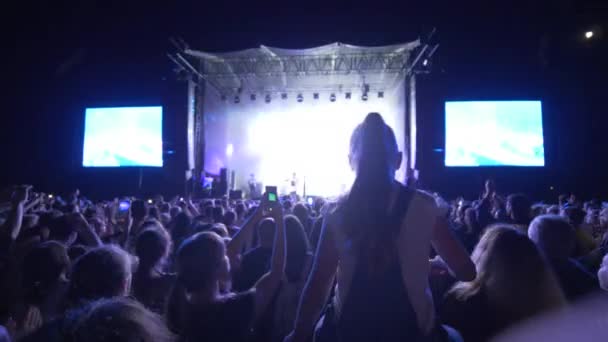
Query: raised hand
(21, 194)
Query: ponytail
(373, 149)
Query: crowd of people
(384, 262)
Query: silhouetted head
(519, 208)
(43, 267)
(553, 235)
(116, 319)
(152, 246)
(100, 273)
(512, 274)
(229, 218)
(218, 214)
(139, 210)
(201, 261)
(575, 215)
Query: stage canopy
(275, 112)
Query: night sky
(70, 55)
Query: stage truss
(272, 72)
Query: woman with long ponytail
(375, 244)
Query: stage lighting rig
(252, 97)
(300, 98)
(315, 96)
(284, 96)
(347, 95)
(237, 99)
(267, 99)
(332, 97)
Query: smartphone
(271, 194)
(124, 205)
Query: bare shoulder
(425, 199)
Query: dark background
(68, 55)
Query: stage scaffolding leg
(411, 173)
(190, 170)
(413, 127)
(196, 138)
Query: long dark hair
(298, 248)
(373, 149)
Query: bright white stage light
(589, 34)
(229, 150)
(425, 62)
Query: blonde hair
(512, 274)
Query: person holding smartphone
(203, 265)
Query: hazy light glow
(229, 150)
(310, 138)
(494, 133)
(589, 34)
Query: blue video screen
(123, 137)
(494, 133)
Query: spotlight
(425, 62)
(332, 97)
(364, 97)
(237, 99)
(300, 98)
(284, 96)
(267, 99)
(347, 95)
(380, 94)
(589, 34)
(229, 150)
(315, 96)
(252, 97)
(149, 201)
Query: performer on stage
(293, 185)
(252, 186)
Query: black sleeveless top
(377, 306)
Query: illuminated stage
(275, 112)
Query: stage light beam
(229, 150)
